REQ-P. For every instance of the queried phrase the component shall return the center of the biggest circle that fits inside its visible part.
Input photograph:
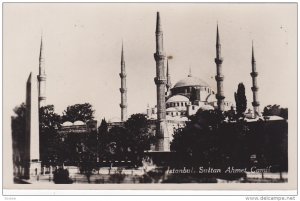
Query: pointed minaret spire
(123, 88)
(163, 143)
(42, 77)
(122, 54)
(218, 36)
(254, 87)
(253, 57)
(158, 24)
(219, 77)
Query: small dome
(183, 119)
(67, 123)
(178, 98)
(206, 107)
(274, 117)
(190, 81)
(79, 123)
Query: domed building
(78, 127)
(186, 97)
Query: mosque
(186, 97)
(174, 103)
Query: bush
(61, 176)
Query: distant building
(78, 127)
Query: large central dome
(190, 81)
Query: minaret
(42, 77)
(160, 81)
(148, 111)
(190, 72)
(168, 84)
(254, 87)
(123, 88)
(219, 77)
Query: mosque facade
(174, 103)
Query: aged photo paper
(186, 96)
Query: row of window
(189, 90)
(176, 113)
(177, 104)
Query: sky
(82, 46)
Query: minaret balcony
(160, 81)
(159, 56)
(254, 88)
(220, 97)
(254, 74)
(41, 77)
(123, 105)
(219, 60)
(255, 104)
(122, 75)
(123, 90)
(219, 78)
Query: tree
(240, 100)
(18, 127)
(208, 140)
(284, 113)
(78, 112)
(199, 141)
(271, 110)
(49, 120)
(127, 142)
(49, 138)
(103, 138)
(103, 128)
(139, 136)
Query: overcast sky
(82, 46)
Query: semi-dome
(79, 123)
(190, 81)
(206, 107)
(67, 123)
(178, 98)
(171, 109)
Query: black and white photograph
(148, 95)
